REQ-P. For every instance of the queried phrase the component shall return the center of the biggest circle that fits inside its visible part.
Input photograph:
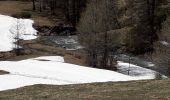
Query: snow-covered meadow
(8, 30)
(52, 70)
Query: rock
(64, 31)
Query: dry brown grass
(11, 7)
(72, 59)
(136, 90)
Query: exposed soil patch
(3, 72)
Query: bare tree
(94, 25)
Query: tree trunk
(105, 53)
(40, 5)
(33, 5)
(67, 14)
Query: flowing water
(67, 42)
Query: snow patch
(138, 72)
(7, 38)
(54, 71)
(50, 58)
(164, 43)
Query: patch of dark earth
(3, 72)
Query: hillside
(84, 50)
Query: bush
(22, 15)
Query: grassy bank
(140, 90)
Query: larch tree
(17, 30)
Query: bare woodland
(107, 27)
